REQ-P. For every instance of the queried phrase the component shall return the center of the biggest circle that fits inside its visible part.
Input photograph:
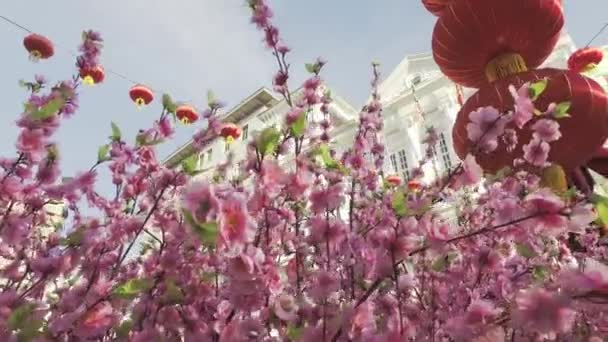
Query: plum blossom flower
(536, 152)
(326, 199)
(286, 308)
(524, 107)
(236, 227)
(547, 313)
(546, 130)
(471, 172)
(200, 201)
(486, 125)
(547, 207)
(510, 139)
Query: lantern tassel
(35, 56)
(88, 80)
(139, 103)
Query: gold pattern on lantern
(505, 65)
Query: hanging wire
(67, 50)
(597, 34)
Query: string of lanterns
(40, 48)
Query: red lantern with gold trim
(436, 6)
(393, 180)
(414, 186)
(186, 114)
(141, 95)
(92, 76)
(477, 42)
(585, 59)
(230, 132)
(38, 46)
(583, 132)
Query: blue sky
(188, 46)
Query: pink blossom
(546, 208)
(324, 284)
(544, 312)
(323, 229)
(536, 152)
(328, 198)
(236, 227)
(286, 308)
(97, 321)
(510, 139)
(594, 277)
(524, 107)
(471, 172)
(486, 125)
(546, 130)
(480, 311)
(31, 141)
(199, 199)
(165, 127)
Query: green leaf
(207, 231)
(268, 140)
(524, 250)
(173, 294)
(537, 88)
(124, 328)
(20, 316)
(116, 134)
(398, 203)
(561, 110)
(49, 109)
(211, 101)
(102, 153)
(601, 206)
(443, 262)
(310, 67)
(539, 273)
(132, 288)
(168, 104)
(74, 238)
(294, 333)
(189, 165)
(326, 157)
(23, 84)
(299, 126)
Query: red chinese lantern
(414, 186)
(230, 132)
(186, 114)
(582, 133)
(477, 42)
(436, 6)
(393, 180)
(92, 76)
(141, 95)
(585, 59)
(38, 46)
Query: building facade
(415, 96)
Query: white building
(415, 86)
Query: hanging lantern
(230, 132)
(436, 6)
(38, 46)
(585, 59)
(414, 186)
(582, 133)
(92, 76)
(186, 114)
(477, 42)
(141, 95)
(393, 180)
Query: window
(245, 132)
(416, 79)
(209, 154)
(394, 163)
(445, 152)
(403, 164)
